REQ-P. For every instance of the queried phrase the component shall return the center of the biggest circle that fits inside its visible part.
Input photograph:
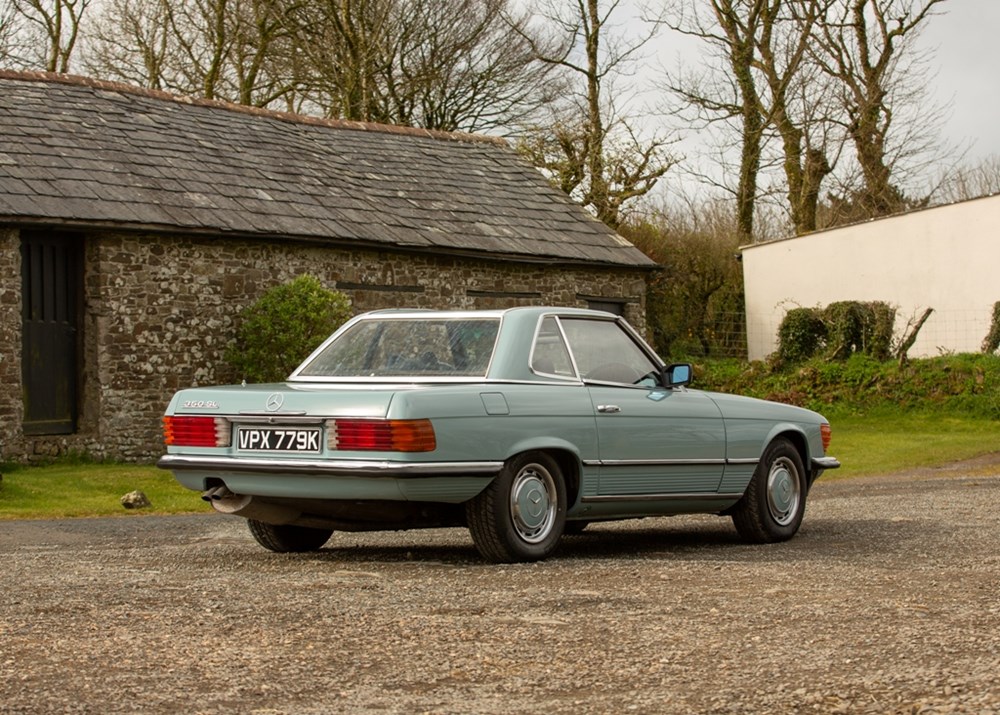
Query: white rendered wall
(946, 258)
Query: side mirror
(677, 375)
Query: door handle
(609, 409)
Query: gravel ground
(888, 601)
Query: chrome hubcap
(784, 491)
(533, 503)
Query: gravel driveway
(888, 601)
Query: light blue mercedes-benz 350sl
(521, 424)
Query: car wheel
(521, 514)
(284, 538)
(775, 501)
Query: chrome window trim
(572, 379)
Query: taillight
(381, 435)
(190, 431)
(824, 431)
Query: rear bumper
(333, 468)
(821, 464)
(826, 462)
(363, 480)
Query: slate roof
(76, 151)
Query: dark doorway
(51, 284)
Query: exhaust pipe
(226, 502)
(214, 493)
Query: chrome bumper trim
(825, 462)
(341, 468)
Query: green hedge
(966, 384)
(836, 332)
(283, 327)
(992, 341)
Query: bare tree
(235, 50)
(728, 91)
(449, 65)
(795, 107)
(589, 147)
(346, 49)
(261, 51)
(970, 181)
(472, 74)
(8, 32)
(53, 28)
(762, 86)
(131, 43)
(866, 47)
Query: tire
(286, 539)
(775, 501)
(520, 516)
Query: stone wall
(160, 311)
(11, 406)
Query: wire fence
(734, 335)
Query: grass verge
(75, 490)
(894, 442)
(883, 443)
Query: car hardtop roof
(491, 313)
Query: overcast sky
(967, 40)
(964, 37)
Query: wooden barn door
(51, 284)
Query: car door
(652, 440)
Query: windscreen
(408, 347)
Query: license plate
(279, 439)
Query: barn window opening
(615, 307)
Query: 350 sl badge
(201, 404)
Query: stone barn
(136, 225)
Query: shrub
(287, 323)
(842, 329)
(992, 341)
(801, 335)
(856, 327)
(878, 328)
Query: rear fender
(566, 455)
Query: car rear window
(408, 347)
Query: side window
(549, 355)
(605, 353)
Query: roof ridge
(291, 117)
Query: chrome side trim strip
(662, 462)
(702, 496)
(335, 468)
